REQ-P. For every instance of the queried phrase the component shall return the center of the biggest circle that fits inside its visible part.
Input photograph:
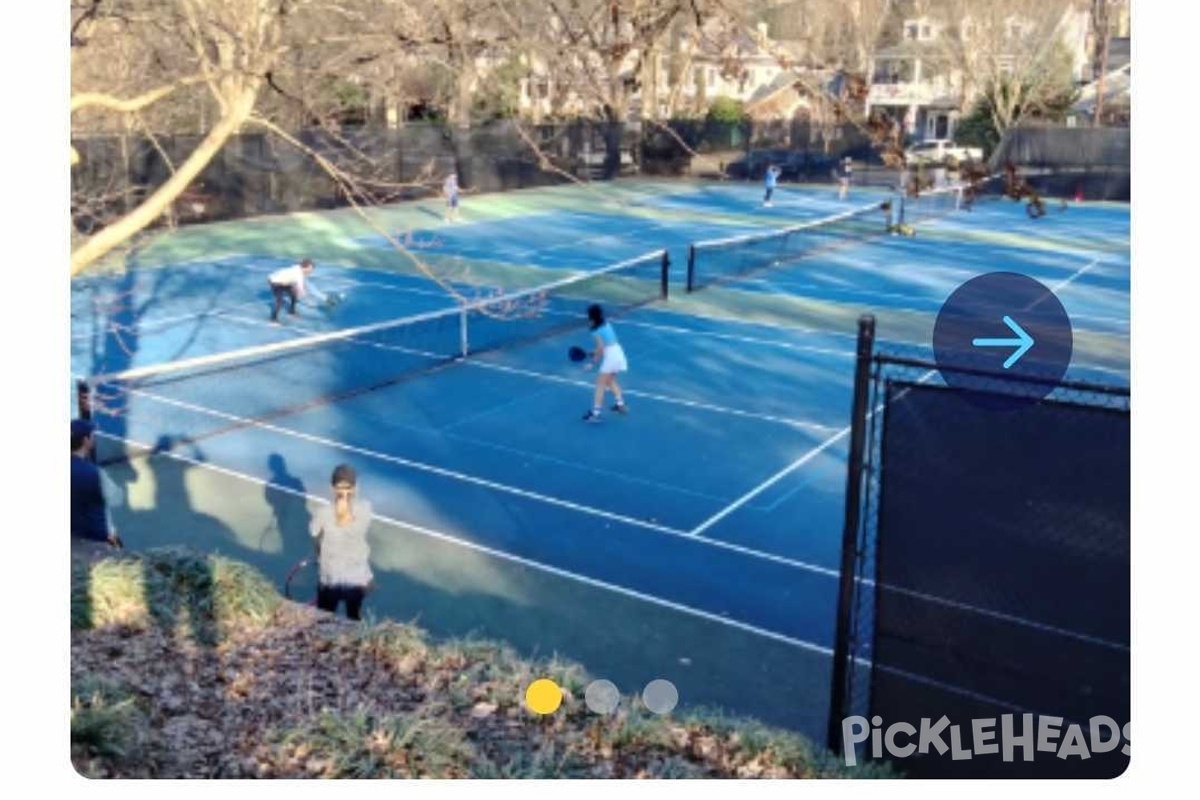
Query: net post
(666, 272)
(691, 268)
(854, 480)
(464, 342)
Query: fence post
(666, 272)
(846, 582)
(691, 267)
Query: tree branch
(99, 245)
(88, 14)
(130, 105)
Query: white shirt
(345, 555)
(294, 276)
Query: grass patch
(106, 725)
(192, 666)
(171, 587)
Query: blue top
(88, 517)
(606, 334)
(772, 175)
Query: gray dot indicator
(660, 696)
(602, 697)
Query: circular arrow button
(1004, 336)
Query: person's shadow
(285, 494)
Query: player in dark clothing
(91, 526)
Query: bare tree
(225, 47)
(1009, 53)
(1102, 18)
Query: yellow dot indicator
(543, 696)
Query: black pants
(328, 598)
(767, 196)
(280, 291)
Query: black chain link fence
(986, 562)
(261, 173)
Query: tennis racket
(301, 582)
(577, 354)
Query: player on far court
(611, 358)
(293, 283)
(770, 180)
(845, 172)
(450, 190)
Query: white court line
(799, 348)
(768, 483)
(417, 465)
(783, 473)
(734, 412)
(670, 400)
(153, 325)
(520, 560)
(720, 545)
(618, 237)
(804, 459)
(1077, 274)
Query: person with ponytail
(339, 532)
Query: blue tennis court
(720, 495)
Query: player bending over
(292, 283)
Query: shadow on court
(453, 591)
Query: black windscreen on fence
(986, 573)
(1002, 566)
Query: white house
(685, 75)
(918, 81)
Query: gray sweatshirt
(345, 554)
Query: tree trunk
(1098, 111)
(237, 111)
(464, 79)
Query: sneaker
(621, 408)
(591, 416)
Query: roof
(909, 49)
(784, 83)
(1117, 85)
(784, 80)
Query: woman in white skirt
(611, 358)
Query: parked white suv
(939, 150)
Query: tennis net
(204, 395)
(720, 260)
(930, 204)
